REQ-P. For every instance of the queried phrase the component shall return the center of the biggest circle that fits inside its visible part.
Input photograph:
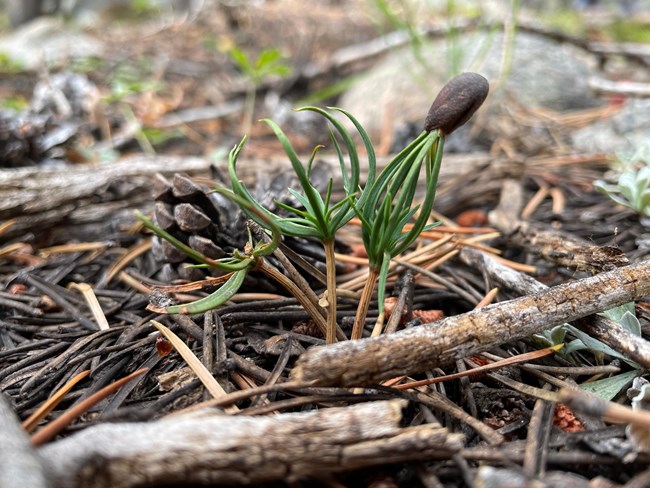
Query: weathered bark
(211, 448)
(84, 201)
(369, 361)
(19, 463)
(550, 244)
(601, 328)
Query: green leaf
(314, 198)
(557, 334)
(268, 57)
(617, 313)
(644, 202)
(241, 60)
(436, 144)
(574, 346)
(596, 346)
(212, 301)
(625, 315)
(608, 388)
(631, 323)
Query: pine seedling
(389, 205)
(319, 217)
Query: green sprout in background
(268, 63)
(632, 188)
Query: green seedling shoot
(319, 217)
(384, 205)
(268, 63)
(389, 205)
(238, 265)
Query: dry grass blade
(6, 225)
(56, 426)
(488, 298)
(11, 248)
(91, 299)
(32, 421)
(133, 283)
(549, 396)
(20, 252)
(210, 383)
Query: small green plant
(632, 188)
(629, 30)
(237, 266)
(321, 218)
(390, 201)
(384, 205)
(143, 8)
(403, 18)
(17, 103)
(9, 65)
(606, 388)
(127, 83)
(268, 63)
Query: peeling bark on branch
(211, 448)
(601, 328)
(369, 361)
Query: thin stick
(364, 304)
(330, 263)
(370, 361)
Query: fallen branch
(601, 328)
(208, 447)
(369, 361)
(553, 245)
(565, 250)
(19, 464)
(77, 202)
(627, 88)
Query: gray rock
(48, 40)
(544, 73)
(624, 132)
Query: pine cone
(214, 226)
(207, 222)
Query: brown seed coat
(456, 103)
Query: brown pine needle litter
(50, 430)
(31, 422)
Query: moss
(629, 30)
(567, 21)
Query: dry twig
(370, 361)
(210, 448)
